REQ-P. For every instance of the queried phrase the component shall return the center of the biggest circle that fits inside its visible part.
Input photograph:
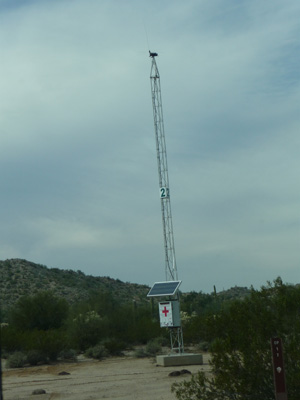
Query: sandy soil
(122, 378)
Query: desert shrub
(113, 346)
(98, 352)
(68, 355)
(161, 340)
(49, 343)
(146, 328)
(153, 347)
(203, 346)
(38, 344)
(16, 360)
(54, 344)
(11, 339)
(164, 340)
(241, 351)
(42, 311)
(86, 330)
(35, 357)
(141, 353)
(89, 352)
(4, 354)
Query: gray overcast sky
(79, 181)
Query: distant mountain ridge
(20, 277)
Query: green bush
(141, 353)
(16, 360)
(11, 339)
(98, 352)
(153, 347)
(35, 357)
(49, 343)
(203, 346)
(41, 346)
(87, 329)
(68, 355)
(42, 311)
(114, 346)
(241, 351)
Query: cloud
(73, 234)
(77, 150)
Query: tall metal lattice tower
(170, 259)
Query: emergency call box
(169, 314)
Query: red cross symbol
(165, 311)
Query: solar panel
(168, 288)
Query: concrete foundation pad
(179, 359)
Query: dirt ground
(120, 378)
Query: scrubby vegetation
(152, 348)
(46, 325)
(43, 328)
(235, 326)
(239, 340)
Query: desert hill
(20, 277)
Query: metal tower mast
(170, 259)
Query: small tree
(42, 311)
(87, 330)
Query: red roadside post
(278, 369)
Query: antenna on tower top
(152, 54)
